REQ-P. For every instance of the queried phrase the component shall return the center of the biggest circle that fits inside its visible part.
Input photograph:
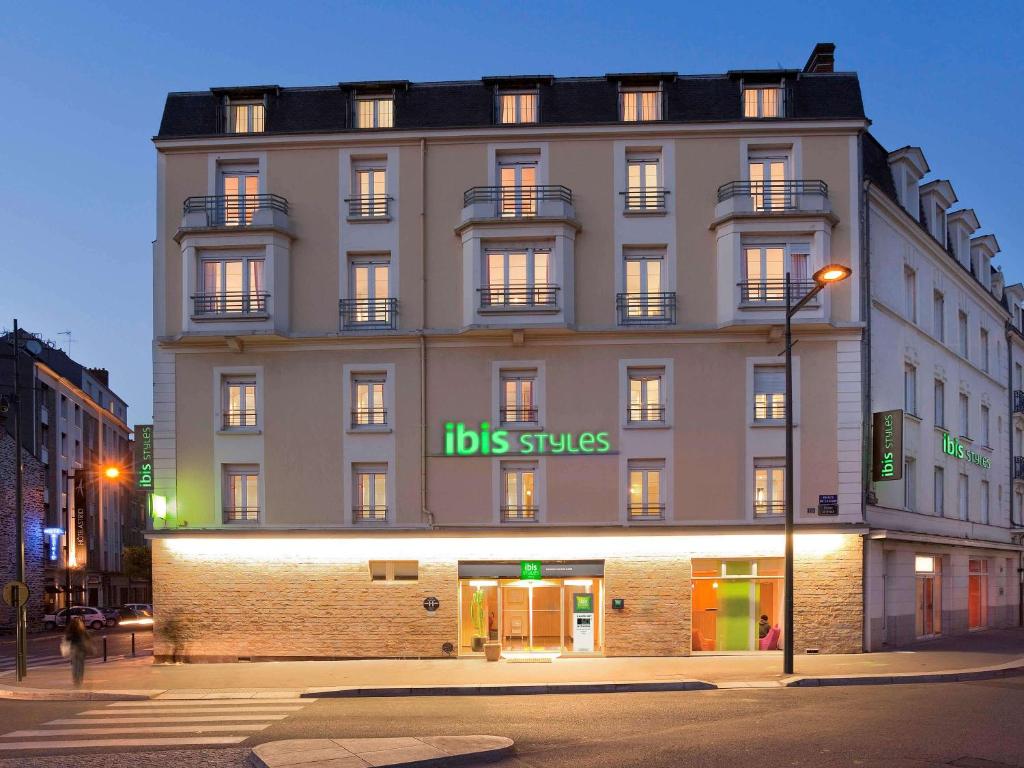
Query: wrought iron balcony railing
(774, 507)
(241, 514)
(771, 196)
(519, 297)
(646, 308)
(369, 206)
(773, 292)
(649, 199)
(369, 314)
(519, 514)
(646, 511)
(1018, 401)
(517, 414)
(232, 210)
(371, 514)
(519, 201)
(1018, 467)
(239, 419)
(769, 406)
(645, 413)
(239, 303)
(369, 417)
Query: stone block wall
(656, 619)
(33, 482)
(828, 601)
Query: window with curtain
(769, 392)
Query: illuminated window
(518, 405)
(394, 570)
(368, 400)
(763, 102)
(244, 117)
(640, 104)
(645, 490)
(769, 487)
(369, 493)
(518, 191)
(517, 107)
(765, 273)
(518, 278)
(241, 492)
(375, 112)
(770, 186)
(370, 195)
(238, 188)
(644, 191)
(230, 286)
(369, 290)
(239, 402)
(646, 396)
(769, 393)
(519, 501)
(643, 273)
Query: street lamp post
(110, 472)
(832, 273)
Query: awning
(555, 569)
(951, 541)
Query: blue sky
(83, 86)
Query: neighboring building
(357, 287)
(943, 553)
(76, 426)
(33, 483)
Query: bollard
(133, 645)
(104, 649)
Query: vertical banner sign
(81, 542)
(887, 444)
(144, 457)
(583, 622)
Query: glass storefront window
(737, 604)
(977, 594)
(927, 596)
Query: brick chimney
(101, 374)
(822, 58)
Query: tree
(137, 563)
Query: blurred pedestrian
(77, 645)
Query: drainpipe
(865, 383)
(425, 513)
(1009, 431)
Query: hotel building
(441, 366)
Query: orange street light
(831, 273)
(112, 473)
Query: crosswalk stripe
(155, 742)
(165, 719)
(176, 712)
(161, 703)
(152, 729)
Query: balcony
(369, 208)
(642, 512)
(533, 298)
(772, 293)
(230, 305)
(766, 198)
(769, 508)
(369, 314)
(1018, 401)
(371, 514)
(235, 212)
(239, 420)
(649, 201)
(514, 414)
(519, 514)
(646, 308)
(369, 417)
(646, 414)
(544, 202)
(1018, 467)
(241, 514)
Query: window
(78, 451)
(909, 484)
(369, 300)
(78, 415)
(239, 187)
(910, 389)
(983, 344)
(64, 444)
(518, 405)
(244, 117)
(965, 415)
(766, 267)
(644, 190)
(962, 496)
(1018, 376)
(939, 316)
(640, 104)
(517, 107)
(394, 570)
(763, 102)
(646, 391)
(769, 487)
(962, 326)
(767, 172)
(645, 499)
(769, 393)
(238, 403)
(370, 195)
(241, 491)
(518, 501)
(910, 293)
(644, 300)
(518, 193)
(369, 493)
(375, 112)
(940, 403)
(985, 501)
(519, 278)
(939, 491)
(368, 408)
(985, 432)
(231, 286)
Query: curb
(522, 689)
(907, 678)
(44, 694)
(410, 752)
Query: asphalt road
(44, 647)
(964, 725)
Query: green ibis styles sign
(887, 444)
(953, 447)
(530, 570)
(461, 440)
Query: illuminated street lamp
(831, 273)
(109, 472)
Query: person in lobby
(763, 627)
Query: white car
(93, 617)
(140, 606)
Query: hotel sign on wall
(887, 446)
(953, 447)
(460, 440)
(144, 457)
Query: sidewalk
(995, 649)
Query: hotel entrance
(557, 613)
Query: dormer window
(244, 117)
(639, 104)
(517, 107)
(375, 111)
(763, 101)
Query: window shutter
(769, 380)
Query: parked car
(94, 618)
(127, 617)
(140, 606)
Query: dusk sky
(84, 86)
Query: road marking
(176, 712)
(164, 719)
(156, 742)
(151, 729)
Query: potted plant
(492, 650)
(478, 615)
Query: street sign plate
(828, 504)
(22, 589)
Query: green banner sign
(583, 603)
(530, 570)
